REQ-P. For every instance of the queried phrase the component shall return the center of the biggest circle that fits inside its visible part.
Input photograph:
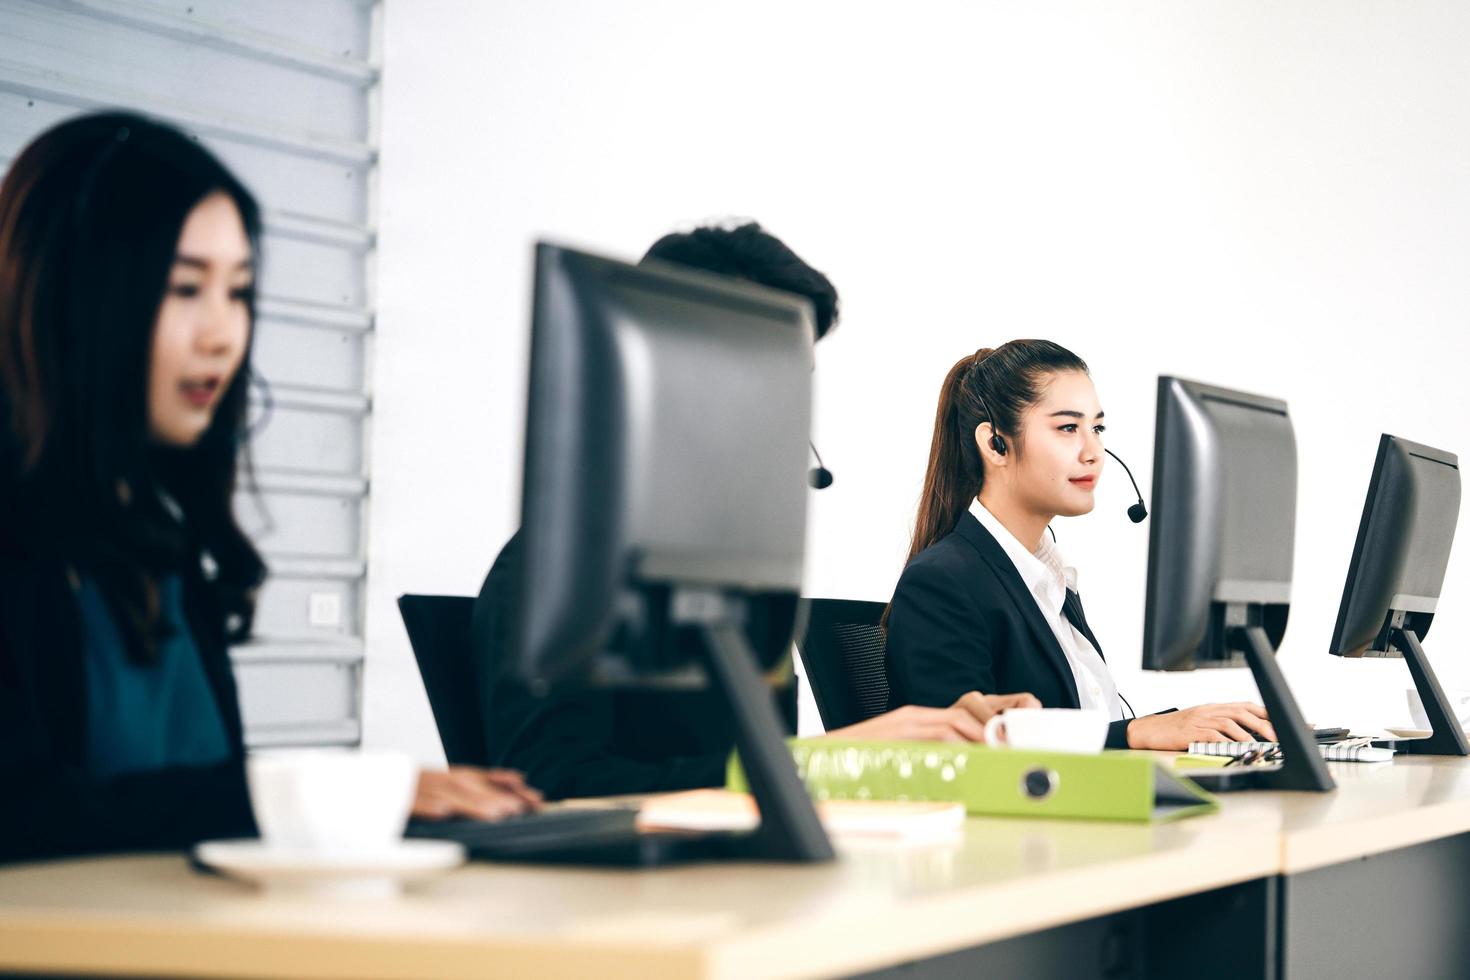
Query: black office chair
(842, 651)
(439, 631)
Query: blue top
(145, 717)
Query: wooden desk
(1288, 880)
(876, 907)
(1376, 877)
(1377, 808)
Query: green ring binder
(1114, 785)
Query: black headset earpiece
(997, 441)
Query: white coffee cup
(1081, 730)
(1459, 704)
(331, 802)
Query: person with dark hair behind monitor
(128, 260)
(985, 601)
(596, 743)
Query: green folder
(1113, 785)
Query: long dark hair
(991, 385)
(90, 218)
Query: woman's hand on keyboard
(963, 721)
(1240, 721)
(465, 791)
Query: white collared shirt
(1047, 578)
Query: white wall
(285, 97)
(1274, 197)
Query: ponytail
(955, 474)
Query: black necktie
(1072, 609)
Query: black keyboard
(529, 832)
(572, 836)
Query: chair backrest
(842, 651)
(439, 632)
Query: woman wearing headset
(985, 601)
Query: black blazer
(51, 805)
(963, 620)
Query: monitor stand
(1302, 767)
(789, 828)
(1446, 736)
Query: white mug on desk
(1459, 704)
(1081, 730)
(324, 801)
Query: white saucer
(372, 874)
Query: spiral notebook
(1333, 752)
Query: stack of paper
(718, 809)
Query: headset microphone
(819, 477)
(1138, 511)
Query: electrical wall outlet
(324, 609)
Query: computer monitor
(666, 448)
(1220, 551)
(1398, 565)
(664, 496)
